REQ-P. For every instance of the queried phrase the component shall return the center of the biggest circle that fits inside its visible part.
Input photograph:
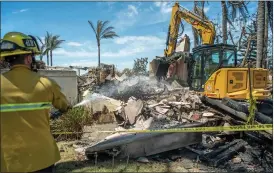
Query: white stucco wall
(67, 79)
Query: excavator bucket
(158, 68)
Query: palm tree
(45, 46)
(48, 37)
(54, 43)
(260, 32)
(42, 47)
(268, 19)
(270, 13)
(50, 43)
(224, 21)
(237, 7)
(265, 36)
(102, 31)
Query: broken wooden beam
(224, 153)
(229, 153)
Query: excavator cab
(215, 73)
(208, 59)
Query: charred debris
(143, 103)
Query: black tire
(235, 105)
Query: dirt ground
(181, 160)
(186, 163)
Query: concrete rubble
(141, 103)
(182, 107)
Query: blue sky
(142, 28)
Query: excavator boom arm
(205, 28)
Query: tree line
(52, 42)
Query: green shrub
(73, 121)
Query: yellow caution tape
(252, 108)
(190, 129)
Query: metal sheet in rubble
(144, 144)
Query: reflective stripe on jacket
(24, 107)
(26, 141)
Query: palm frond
(230, 23)
(104, 26)
(102, 30)
(58, 43)
(106, 31)
(245, 7)
(48, 38)
(200, 3)
(200, 12)
(93, 28)
(110, 34)
(55, 43)
(235, 7)
(47, 50)
(40, 40)
(233, 13)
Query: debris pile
(234, 153)
(142, 103)
(96, 77)
(175, 107)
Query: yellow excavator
(213, 70)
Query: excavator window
(212, 61)
(208, 59)
(228, 58)
(197, 70)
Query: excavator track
(235, 108)
(240, 109)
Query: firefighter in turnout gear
(27, 144)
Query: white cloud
(75, 53)
(126, 64)
(127, 39)
(206, 9)
(120, 51)
(159, 13)
(42, 38)
(110, 5)
(126, 17)
(124, 52)
(165, 7)
(20, 11)
(93, 54)
(132, 10)
(158, 4)
(84, 63)
(128, 46)
(72, 43)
